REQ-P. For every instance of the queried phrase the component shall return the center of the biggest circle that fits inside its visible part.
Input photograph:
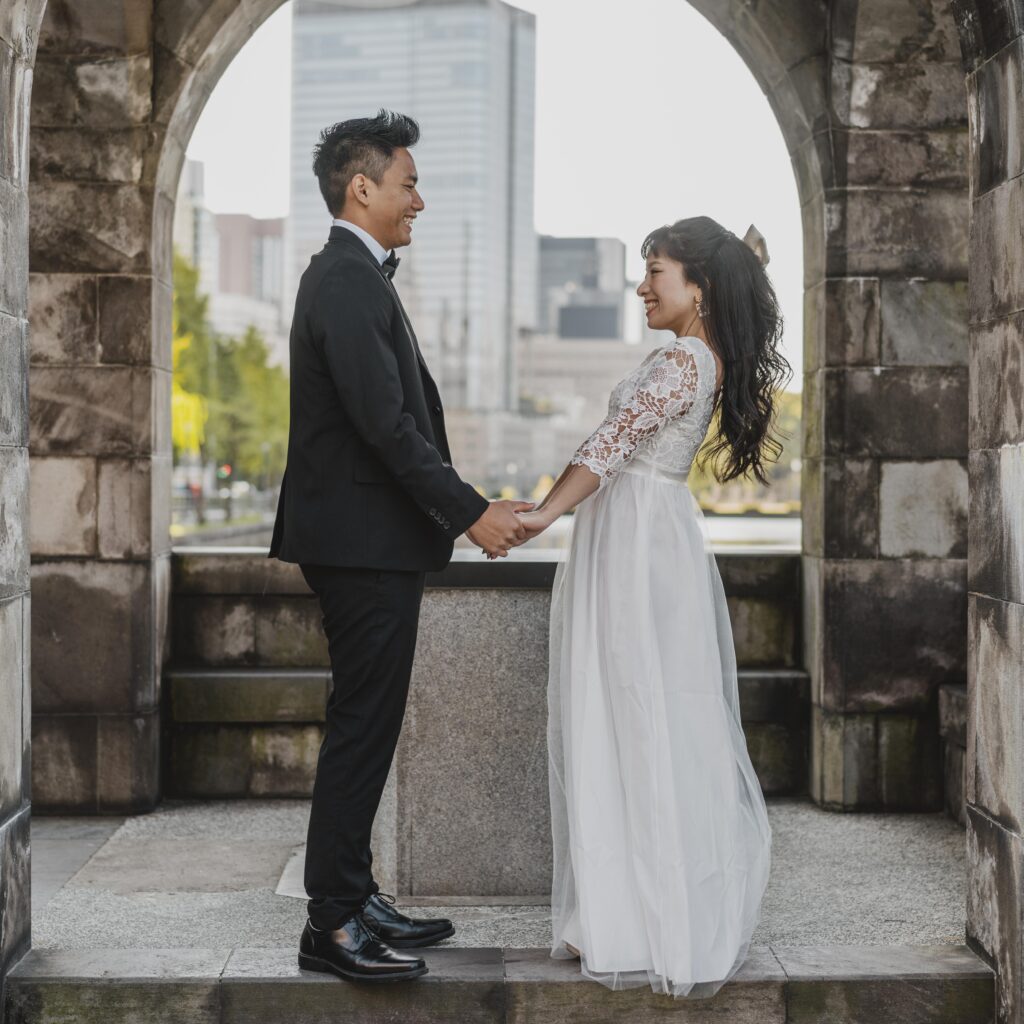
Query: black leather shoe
(400, 931)
(354, 953)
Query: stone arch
(885, 239)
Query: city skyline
(679, 87)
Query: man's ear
(358, 189)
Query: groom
(369, 503)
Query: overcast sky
(644, 114)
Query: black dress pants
(370, 617)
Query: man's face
(394, 203)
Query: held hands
(499, 528)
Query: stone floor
(206, 874)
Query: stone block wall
(993, 42)
(19, 27)
(885, 491)
(244, 703)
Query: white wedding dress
(661, 838)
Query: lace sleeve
(665, 391)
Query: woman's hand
(536, 522)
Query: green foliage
(246, 399)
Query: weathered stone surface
(62, 310)
(799, 100)
(258, 696)
(15, 887)
(985, 28)
(763, 632)
(477, 811)
(996, 673)
(14, 246)
(997, 382)
(95, 27)
(844, 765)
(13, 381)
(996, 522)
(166, 986)
(116, 155)
(214, 631)
(19, 25)
(105, 92)
(87, 227)
(215, 571)
(923, 509)
(14, 525)
(125, 319)
(63, 762)
(463, 985)
(840, 512)
(283, 759)
(954, 797)
(289, 631)
(12, 669)
(779, 756)
(896, 159)
(997, 118)
(128, 763)
(540, 990)
(103, 612)
(916, 95)
(895, 632)
(953, 712)
(16, 79)
(886, 31)
(892, 232)
(63, 497)
(852, 321)
(96, 410)
(995, 882)
(208, 762)
(997, 252)
(909, 762)
(896, 412)
(133, 506)
(924, 323)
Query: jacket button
(433, 512)
(437, 410)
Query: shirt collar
(371, 243)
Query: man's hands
(499, 528)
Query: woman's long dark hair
(744, 326)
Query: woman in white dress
(661, 837)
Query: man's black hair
(364, 145)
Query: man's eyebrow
(412, 177)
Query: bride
(661, 837)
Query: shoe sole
(419, 943)
(313, 963)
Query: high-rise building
(464, 69)
(581, 287)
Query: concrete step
(257, 731)
(777, 985)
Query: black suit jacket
(369, 481)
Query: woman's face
(670, 301)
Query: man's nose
(417, 201)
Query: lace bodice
(658, 415)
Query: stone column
(885, 408)
(993, 41)
(18, 32)
(100, 418)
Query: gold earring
(702, 308)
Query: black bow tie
(390, 265)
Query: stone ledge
(746, 572)
(785, 985)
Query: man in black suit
(369, 503)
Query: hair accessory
(755, 241)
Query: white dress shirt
(365, 237)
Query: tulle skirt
(661, 838)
